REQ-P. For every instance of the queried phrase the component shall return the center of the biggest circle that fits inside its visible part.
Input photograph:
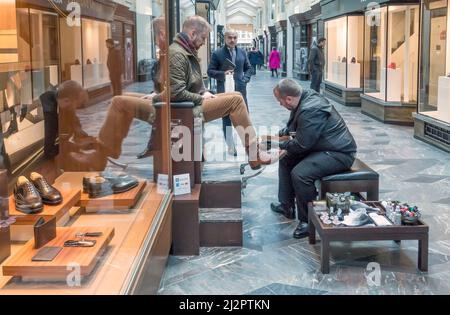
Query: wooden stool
(360, 178)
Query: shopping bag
(229, 83)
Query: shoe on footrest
(266, 158)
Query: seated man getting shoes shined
(320, 145)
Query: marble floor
(272, 262)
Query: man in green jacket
(186, 84)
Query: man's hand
(229, 72)
(208, 95)
(148, 96)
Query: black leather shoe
(286, 210)
(123, 183)
(301, 231)
(49, 194)
(148, 152)
(98, 186)
(27, 197)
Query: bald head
(231, 38)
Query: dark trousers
(316, 80)
(254, 69)
(274, 71)
(227, 125)
(116, 85)
(297, 177)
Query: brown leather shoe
(266, 158)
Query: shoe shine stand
(76, 261)
(22, 230)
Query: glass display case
(88, 181)
(391, 54)
(344, 51)
(435, 66)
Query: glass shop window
(434, 83)
(392, 42)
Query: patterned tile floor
(271, 261)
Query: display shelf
(117, 201)
(84, 258)
(71, 197)
(120, 268)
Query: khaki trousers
(119, 118)
(233, 105)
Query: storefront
(92, 237)
(344, 58)
(391, 48)
(307, 29)
(432, 120)
(281, 37)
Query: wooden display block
(71, 197)
(21, 264)
(117, 201)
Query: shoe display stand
(84, 258)
(22, 229)
(120, 201)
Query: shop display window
(391, 53)
(344, 51)
(95, 53)
(71, 52)
(434, 86)
(301, 49)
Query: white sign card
(181, 184)
(163, 184)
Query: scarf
(184, 40)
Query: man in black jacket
(316, 64)
(322, 146)
(242, 73)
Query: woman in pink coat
(274, 61)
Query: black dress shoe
(122, 183)
(27, 197)
(286, 210)
(49, 194)
(301, 231)
(97, 187)
(148, 152)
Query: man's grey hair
(288, 87)
(231, 32)
(198, 23)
